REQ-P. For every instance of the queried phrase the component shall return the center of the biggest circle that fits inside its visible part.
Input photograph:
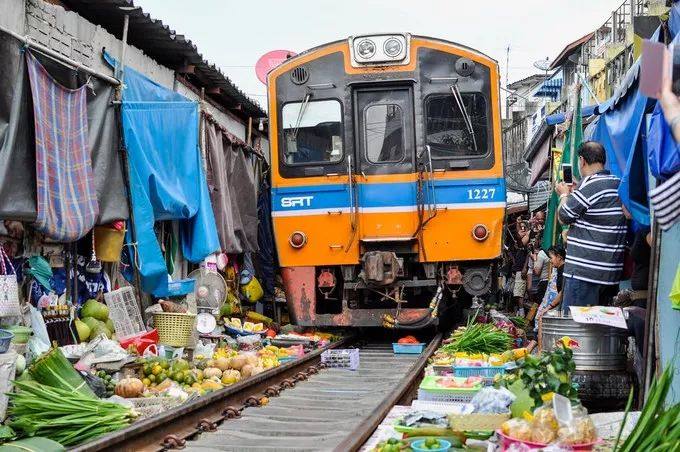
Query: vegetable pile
(65, 416)
(478, 338)
(53, 369)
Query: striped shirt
(597, 233)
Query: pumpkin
(246, 371)
(252, 360)
(256, 370)
(212, 372)
(237, 362)
(222, 363)
(129, 388)
(230, 377)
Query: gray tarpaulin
(233, 190)
(17, 144)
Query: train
(387, 183)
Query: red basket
(506, 442)
(141, 340)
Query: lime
(392, 441)
(151, 378)
(156, 369)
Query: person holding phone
(596, 240)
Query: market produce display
(479, 338)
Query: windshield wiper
(463, 111)
(301, 115)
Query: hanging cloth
(66, 195)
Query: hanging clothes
(67, 201)
(17, 143)
(167, 181)
(266, 256)
(233, 182)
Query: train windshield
(453, 131)
(312, 132)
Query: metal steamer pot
(601, 348)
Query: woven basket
(174, 328)
(476, 421)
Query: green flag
(575, 138)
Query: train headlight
(365, 48)
(480, 232)
(297, 239)
(392, 47)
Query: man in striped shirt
(597, 231)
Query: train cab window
(454, 130)
(384, 128)
(312, 132)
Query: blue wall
(669, 318)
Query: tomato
(408, 340)
(270, 332)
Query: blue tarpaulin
(619, 129)
(167, 180)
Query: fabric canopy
(232, 183)
(17, 142)
(167, 181)
(540, 162)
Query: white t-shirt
(543, 261)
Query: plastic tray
(478, 371)
(507, 442)
(407, 349)
(239, 332)
(453, 397)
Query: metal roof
(570, 49)
(168, 48)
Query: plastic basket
(456, 397)
(408, 349)
(153, 406)
(419, 446)
(5, 340)
(174, 328)
(347, 358)
(124, 312)
(478, 371)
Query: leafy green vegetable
(657, 429)
(479, 338)
(65, 416)
(53, 369)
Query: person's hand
(562, 188)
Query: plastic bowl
(419, 446)
(21, 333)
(5, 339)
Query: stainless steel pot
(600, 347)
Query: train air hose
(392, 322)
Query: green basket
(429, 384)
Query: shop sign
(269, 61)
(601, 315)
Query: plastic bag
(249, 343)
(491, 400)
(675, 290)
(95, 383)
(517, 428)
(204, 349)
(544, 425)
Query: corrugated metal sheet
(167, 47)
(539, 195)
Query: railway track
(299, 406)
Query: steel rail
(171, 429)
(358, 437)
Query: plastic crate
(178, 288)
(478, 371)
(407, 349)
(347, 358)
(451, 397)
(124, 312)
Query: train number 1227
(481, 193)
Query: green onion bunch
(65, 416)
(479, 338)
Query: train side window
(312, 132)
(384, 129)
(448, 129)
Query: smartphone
(652, 66)
(567, 175)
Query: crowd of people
(600, 249)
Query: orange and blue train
(388, 193)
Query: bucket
(601, 348)
(21, 333)
(108, 243)
(5, 339)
